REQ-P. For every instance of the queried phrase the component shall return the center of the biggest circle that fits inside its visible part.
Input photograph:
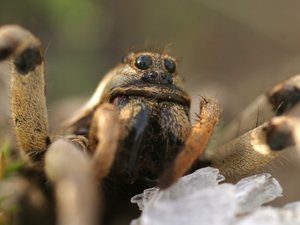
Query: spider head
(154, 109)
(145, 74)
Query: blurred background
(232, 49)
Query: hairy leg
(251, 151)
(27, 88)
(196, 144)
(278, 100)
(28, 98)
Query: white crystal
(252, 192)
(199, 199)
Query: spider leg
(28, 98)
(251, 151)
(29, 111)
(109, 128)
(104, 135)
(278, 100)
(210, 111)
(71, 172)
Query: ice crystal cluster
(199, 199)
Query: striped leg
(281, 99)
(253, 150)
(28, 98)
(27, 89)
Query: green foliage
(7, 167)
(78, 23)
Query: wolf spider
(135, 132)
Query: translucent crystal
(252, 192)
(199, 199)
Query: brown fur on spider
(134, 133)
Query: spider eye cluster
(143, 62)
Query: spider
(134, 133)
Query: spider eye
(143, 62)
(170, 65)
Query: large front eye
(170, 65)
(143, 62)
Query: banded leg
(195, 146)
(251, 151)
(27, 88)
(278, 100)
(28, 98)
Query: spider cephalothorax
(135, 132)
(153, 108)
